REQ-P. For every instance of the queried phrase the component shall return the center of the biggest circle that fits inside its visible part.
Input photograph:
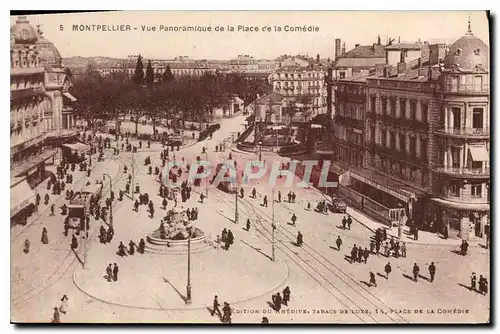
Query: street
(325, 286)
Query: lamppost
(273, 228)
(188, 286)
(206, 183)
(236, 215)
(133, 175)
(110, 191)
(260, 150)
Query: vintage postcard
(250, 167)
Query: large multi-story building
(426, 140)
(303, 87)
(39, 108)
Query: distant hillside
(74, 62)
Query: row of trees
(186, 98)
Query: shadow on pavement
(256, 249)
(175, 289)
(409, 277)
(381, 275)
(366, 283)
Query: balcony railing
(26, 92)
(402, 155)
(359, 123)
(466, 89)
(465, 132)
(409, 123)
(349, 143)
(465, 171)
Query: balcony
(400, 122)
(351, 97)
(358, 123)
(349, 143)
(401, 155)
(26, 92)
(466, 89)
(482, 133)
(465, 172)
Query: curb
(408, 241)
(180, 309)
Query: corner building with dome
(41, 117)
(426, 130)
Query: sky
(352, 27)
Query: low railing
(465, 171)
(481, 132)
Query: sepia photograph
(250, 167)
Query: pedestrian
(248, 224)
(131, 247)
(366, 254)
(279, 196)
(242, 193)
(339, 243)
(473, 280)
(300, 239)
(64, 304)
(142, 246)
(52, 208)
(115, 272)
(372, 246)
(373, 281)
(432, 271)
(45, 238)
(386, 249)
(215, 307)
(293, 219)
(485, 286)
(265, 201)
(354, 253)
(278, 300)
(109, 273)
(377, 246)
(416, 270)
(464, 247)
(265, 320)
(403, 249)
(349, 222)
(286, 296)
(121, 249)
(230, 237)
(226, 318)
(56, 317)
(254, 193)
(387, 270)
(308, 206)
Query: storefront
(22, 200)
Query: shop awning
(79, 147)
(381, 182)
(69, 96)
(479, 153)
(462, 205)
(20, 196)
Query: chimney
(337, 47)
(373, 47)
(343, 48)
(356, 45)
(379, 69)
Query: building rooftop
(405, 46)
(366, 51)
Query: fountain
(173, 233)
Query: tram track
(320, 269)
(68, 261)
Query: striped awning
(21, 195)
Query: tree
(150, 77)
(317, 58)
(167, 75)
(138, 77)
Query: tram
(226, 186)
(79, 205)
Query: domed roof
(23, 32)
(48, 53)
(468, 52)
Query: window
(413, 110)
(455, 157)
(393, 107)
(402, 142)
(424, 143)
(383, 138)
(476, 190)
(383, 101)
(402, 108)
(454, 190)
(413, 146)
(477, 165)
(424, 108)
(456, 114)
(392, 139)
(477, 118)
(372, 103)
(478, 82)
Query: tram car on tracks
(226, 186)
(79, 205)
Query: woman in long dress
(64, 304)
(45, 238)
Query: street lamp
(273, 228)
(206, 183)
(133, 175)
(260, 150)
(188, 286)
(110, 191)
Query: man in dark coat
(277, 302)
(416, 270)
(339, 243)
(432, 271)
(215, 307)
(387, 270)
(349, 222)
(286, 296)
(115, 273)
(354, 253)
